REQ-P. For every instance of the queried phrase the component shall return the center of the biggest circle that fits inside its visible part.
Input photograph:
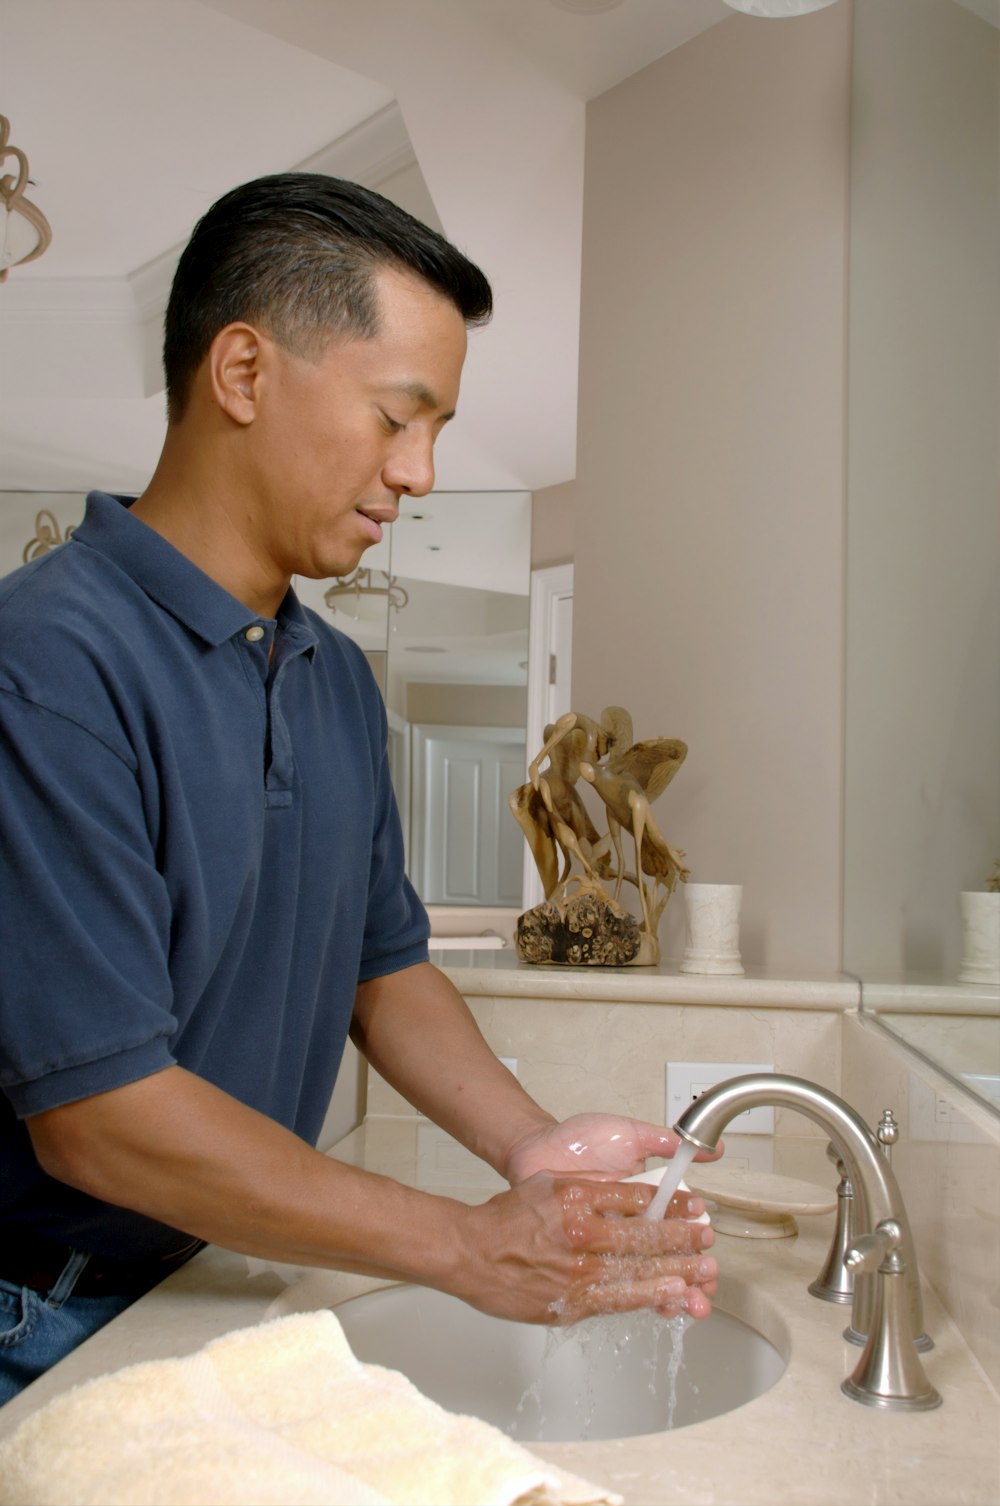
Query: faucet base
(925, 1401)
(923, 1342)
(827, 1293)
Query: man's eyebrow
(420, 394)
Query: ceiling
(137, 114)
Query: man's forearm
(179, 1150)
(416, 1030)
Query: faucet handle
(870, 1251)
(889, 1373)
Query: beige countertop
(930, 994)
(801, 1443)
(502, 972)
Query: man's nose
(410, 469)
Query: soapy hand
(605, 1146)
(554, 1250)
(608, 1147)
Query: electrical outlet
(935, 1115)
(687, 1081)
(748, 1152)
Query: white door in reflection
(467, 849)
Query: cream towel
(282, 1414)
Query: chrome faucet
(887, 1315)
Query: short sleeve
(396, 923)
(85, 992)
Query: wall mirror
(442, 612)
(922, 798)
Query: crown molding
(34, 300)
(369, 153)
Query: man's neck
(196, 511)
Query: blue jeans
(37, 1330)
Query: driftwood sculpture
(580, 922)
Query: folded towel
(282, 1414)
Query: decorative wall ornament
(47, 536)
(25, 232)
(581, 922)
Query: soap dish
(758, 1204)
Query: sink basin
(609, 1377)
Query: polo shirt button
(254, 634)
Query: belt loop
(67, 1278)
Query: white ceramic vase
(712, 940)
(980, 910)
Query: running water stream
(569, 1397)
(622, 1335)
(673, 1175)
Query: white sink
(608, 1377)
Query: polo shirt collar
(173, 581)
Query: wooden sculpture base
(585, 930)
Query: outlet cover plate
(686, 1081)
(934, 1115)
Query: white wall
(710, 481)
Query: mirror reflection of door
(456, 691)
(466, 849)
(449, 647)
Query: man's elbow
(70, 1152)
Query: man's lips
(375, 520)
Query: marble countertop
(929, 994)
(503, 972)
(800, 1444)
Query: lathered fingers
(608, 1234)
(629, 1286)
(622, 1283)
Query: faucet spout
(878, 1202)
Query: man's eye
(392, 424)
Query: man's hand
(605, 1146)
(554, 1250)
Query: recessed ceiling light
(585, 7)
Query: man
(203, 887)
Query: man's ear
(234, 362)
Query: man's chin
(333, 569)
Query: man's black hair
(297, 254)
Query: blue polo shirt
(200, 853)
